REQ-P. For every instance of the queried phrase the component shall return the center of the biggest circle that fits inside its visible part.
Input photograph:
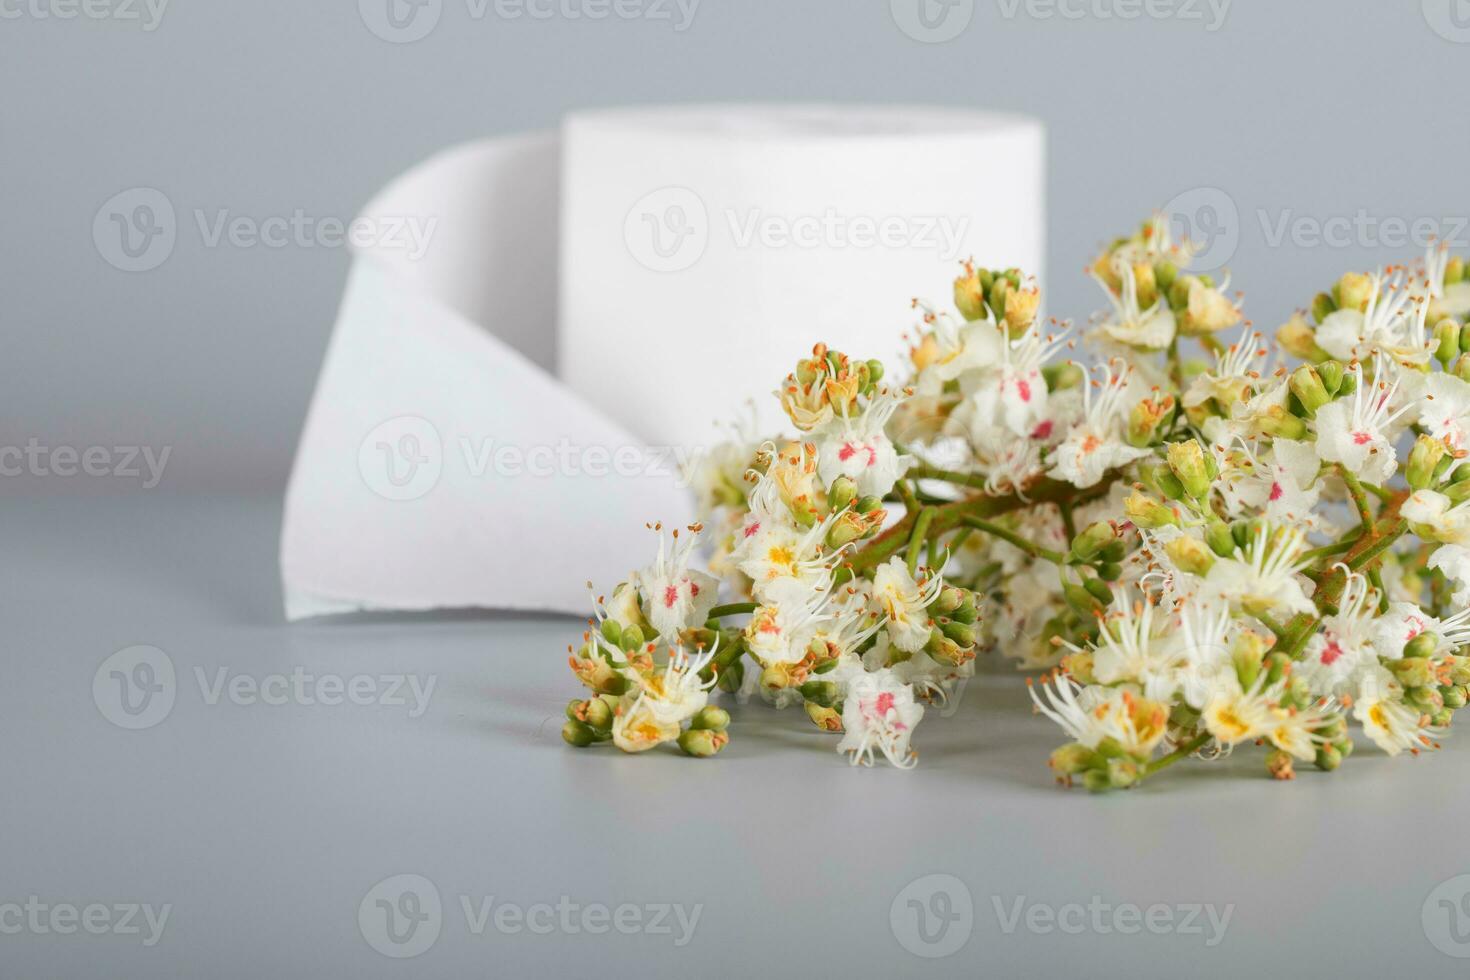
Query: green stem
(733, 609)
(920, 533)
(1030, 547)
(923, 472)
(1187, 749)
(1359, 495)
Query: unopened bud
(1307, 385)
(576, 734)
(827, 719)
(1422, 645)
(1021, 306)
(598, 714)
(1328, 758)
(1353, 291)
(969, 294)
(1187, 462)
(1190, 555)
(1412, 671)
(1331, 373)
(1453, 696)
(1297, 338)
(1424, 460)
(1099, 590)
(1278, 423)
(847, 528)
(1323, 306)
(1149, 513)
(824, 693)
(1093, 539)
(1071, 759)
(713, 718)
(702, 742)
(842, 492)
(961, 633)
(1447, 340)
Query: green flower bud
(1424, 459)
(1344, 746)
(702, 742)
(1442, 718)
(969, 294)
(961, 633)
(1146, 512)
(1421, 647)
(1454, 270)
(1093, 539)
(576, 734)
(1446, 340)
(1113, 553)
(1220, 539)
(1452, 697)
(713, 718)
(1412, 671)
(1323, 306)
(1165, 272)
(875, 371)
(1190, 555)
(1097, 780)
(1098, 589)
(1071, 759)
(1309, 389)
(631, 639)
(732, 677)
(948, 600)
(1328, 758)
(598, 714)
(1459, 669)
(1465, 338)
(1082, 600)
(827, 719)
(1462, 366)
(575, 708)
(1278, 423)
(868, 505)
(946, 651)
(1353, 291)
(824, 693)
(842, 492)
(1061, 376)
(612, 632)
(1331, 373)
(1187, 462)
(1122, 773)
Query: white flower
(1098, 713)
(950, 349)
(903, 603)
(676, 598)
(1132, 646)
(879, 713)
(1445, 412)
(1403, 622)
(1434, 517)
(1296, 732)
(1264, 578)
(1454, 562)
(1392, 725)
(667, 697)
(1015, 397)
(1232, 715)
(781, 632)
(780, 558)
(1095, 445)
(1234, 379)
(859, 448)
(1449, 300)
(1356, 430)
(1150, 329)
(1385, 327)
(1338, 654)
(1203, 628)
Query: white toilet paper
(697, 253)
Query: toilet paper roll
(467, 447)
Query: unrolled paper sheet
(468, 447)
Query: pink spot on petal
(1276, 491)
(1042, 431)
(671, 596)
(1362, 438)
(753, 529)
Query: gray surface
(1313, 108)
(264, 827)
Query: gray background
(1319, 107)
(264, 827)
